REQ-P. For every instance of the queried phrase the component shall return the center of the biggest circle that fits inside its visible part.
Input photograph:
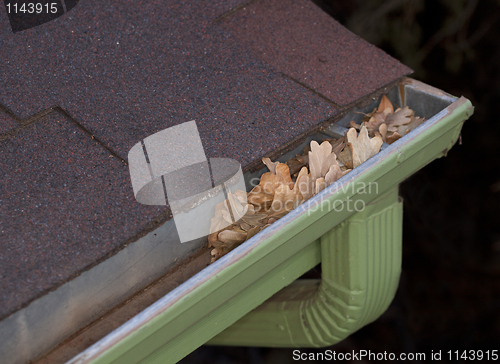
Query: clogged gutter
(287, 185)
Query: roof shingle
(253, 80)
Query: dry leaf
(220, 248)
(220, 221)
(320, 159)
(345, 157)
(378, 118)
(253, 231)
(320, 166)
(362, 146)
(334, 173)
(320, 185)
(270, 165)
(396, 123)
(405, 129)
(231, 237)
(385, 103)
(253, 218)
(383, 132)
(337, 145)
(392, 138)
(305, 184)
(296, 164)
(218, 252)
(245, 226)
(212, 239)
(400, 117)
(262, 195)
(270, 181)
(353, 124)
(285, 199)
(259, 199)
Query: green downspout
(361, 265)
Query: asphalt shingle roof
(253, 76)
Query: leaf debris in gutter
(287, 185)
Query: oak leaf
(334, 173)
(398, 118)
(405, 129)
(296, 164)
(320, 185)
(320, 159)
(362, 147)
(270, 165)
(262, 195)
(285, 199)
(254, 230)
(385, 103)
(378, 118)
(337, 145)
(305, 184)
(356, 126)
(393, 137)
(252, 217)
(269, 181)
(230, 237)
(345, 157)
(383, 132)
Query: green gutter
(360, 265)
(227, 290)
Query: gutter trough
(252, 295)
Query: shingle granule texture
(7, 123)
(307, 45)
(65, 203)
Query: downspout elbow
(361, 266)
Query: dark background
(449, 293)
